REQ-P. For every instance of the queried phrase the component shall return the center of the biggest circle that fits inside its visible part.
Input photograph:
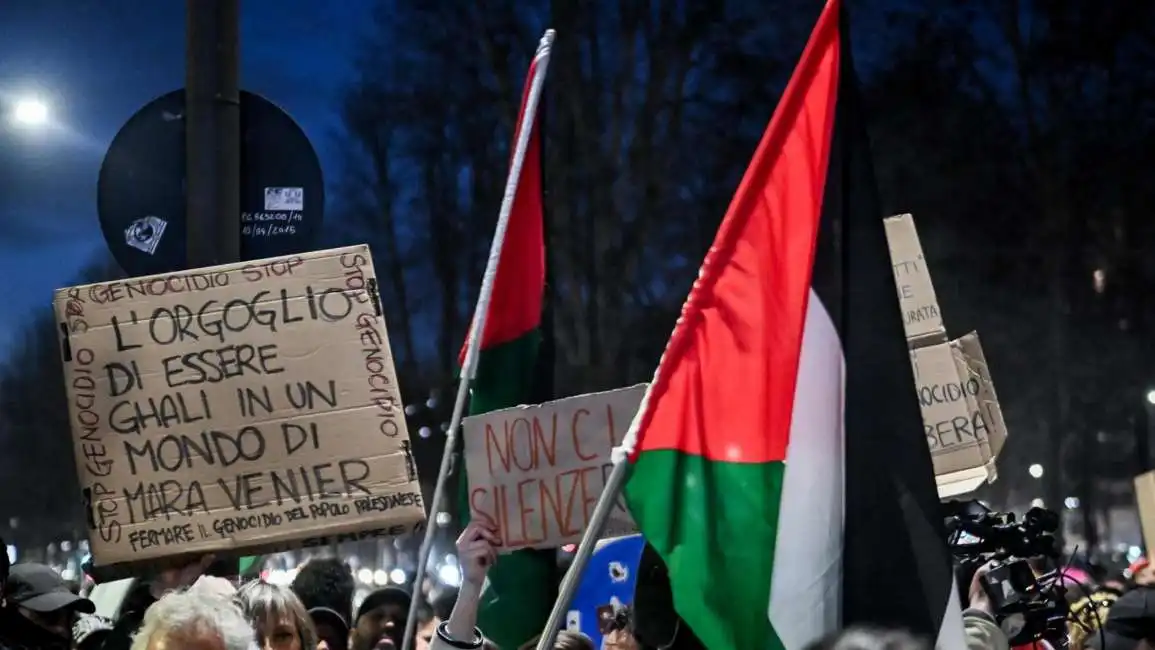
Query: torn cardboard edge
(339, 534)
(921, 315)
(964, 423)
(1145, 501)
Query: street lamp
(30, 112)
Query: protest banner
(537, 471)
(242, 407)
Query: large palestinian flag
(522, 586)
(779, 467)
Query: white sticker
(284, 198)
(573, 620)
(618, 572)
(144, 234)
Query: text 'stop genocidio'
(245, 407)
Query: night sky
(95, 64)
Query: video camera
(1027, 606)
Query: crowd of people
(185, 608)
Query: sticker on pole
(144, 234)
(282, 192)
(280, 199)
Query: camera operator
(982, 631)
(1013, 600)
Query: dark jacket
(18, 633)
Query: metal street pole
(212, 132)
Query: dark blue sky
(96, 63)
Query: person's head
(619, 631)
(570, 640)
(332, 629)
(427, 622)
(43, 597)
(381, 619)
(429, 616)
(196, 619)
(861, 638)
(328, 583)
(278, 617)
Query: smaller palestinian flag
(522, 585)
(777, 462)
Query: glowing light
(380, 578)
(1071, 503)
(1036, 471)
(365, 576)
(450, 575)
(1151, 397)
(30, 112)
(282, 578)
(397, 576)
(1037, 503)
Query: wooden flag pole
(480, 314)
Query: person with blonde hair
(277, 615)
(195, 619)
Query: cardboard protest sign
(537, 471)
(961, 416)
(237, 407)
(1145, 500)
(921, 315)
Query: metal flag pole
(610, 493)
(480, 314)
(585, 550)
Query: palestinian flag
(779, 467)
(522, 585)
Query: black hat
(38, 588)
(1130, 620)
(329, 616)
(384, 596)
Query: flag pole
(480, 314)
(585, 550)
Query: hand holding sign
(477, 550)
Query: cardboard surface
(962, 420)
(1145, 499)
(921, 315)
(245, 406)
(537, 471)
